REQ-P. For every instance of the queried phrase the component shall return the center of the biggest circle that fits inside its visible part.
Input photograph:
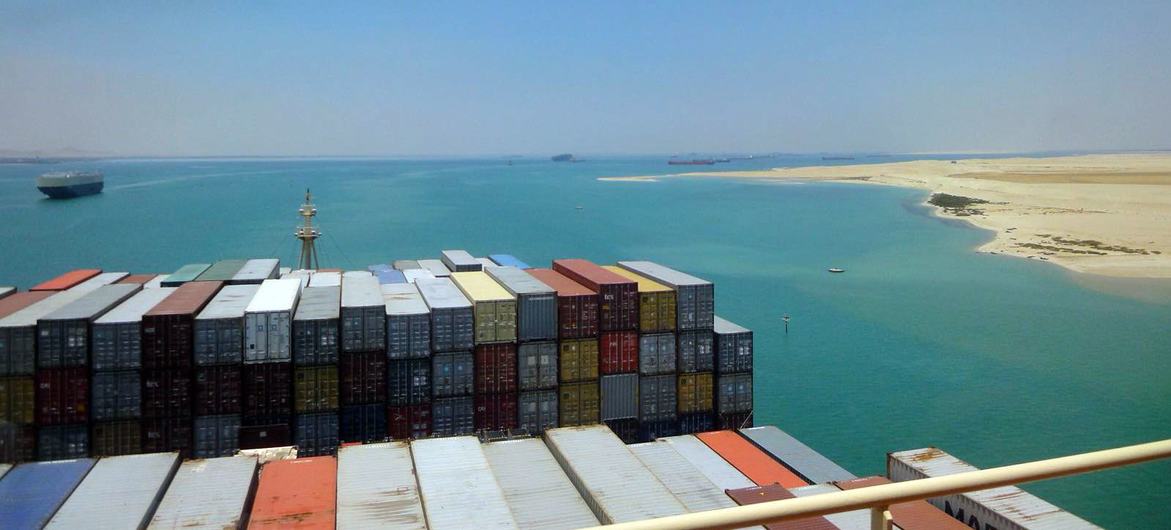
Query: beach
(1107, 214)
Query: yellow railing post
(880, 518)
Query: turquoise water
(921, 342)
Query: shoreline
(1103, 215)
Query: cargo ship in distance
(70, 184)
(696, 162)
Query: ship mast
(308, 234)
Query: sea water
(921, 342)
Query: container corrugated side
(619, 394)
(613, 482)
(452, 416)
(31, 493)
(452, 322)
(711, 464)
(377, 487)
(577, 403)
(536, 303)
(457, 485)
(656, 302)
(459, 261)
(222, 270)
(658, 400)
(656, 353)
(268, 321)
(301, 493)
(537, 410)
(256, 271)
(538, 492)
(408, 322)
(732, 347)
(617, 296)
(63, 336)
(810, 464)
(316, 434)
(117, 336)
(687, 483)
(119, 492)
(184, 274)
(209, 494)
(855, 520)
(219, 328)
(577, 306)
(1005, 508)
(217, 435)
(363, 314)
(493, 307)
(695, 298)
(435, 267)
(316, 338)
(537, 365)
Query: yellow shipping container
(656, 302)
(315, 389)
(578, 404)
(17, 400)
(494, 308)
(579, 360)
(695, 392)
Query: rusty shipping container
(496, 368)
(363, 314)
(656, 354)
(538, 410)
(696, 351)
(63, 336)
(536, 303)
(168, 329)
(219, 327)
(116, 396)
(537, 365)
(408, 322)
(409, 421)
(316, 326)
(577, 306)
(316, 434)
(315, 389)
(117, 335)
(362, 378)
(452, 322)
(656, 302)
(496, 411)
(62, 396)
(268, 391)
(362, 423)
(695, 297)
(299, 493)
(732, 347)
(216, 436)
(578, 404)
(617, 296)
(696, 393)
(218, 390)
(618, 352)
(578, 359)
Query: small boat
(835, 269)
(580, 207)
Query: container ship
(67, 185)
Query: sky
(491, 78)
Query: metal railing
(879, 498)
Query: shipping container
(376, 488)
(618, 352)
(408, 322)
(31, 493)
(914, 515)
(315, 389)
(408, 382)
(696, 352)
(276, 432)
(496, 412)
(452, 323)
(299, 493)
(696, 422)
(619, 395)
(435, 267)
(406, 264)
(537, 364)
(268, 322)
(62, 396)
(713, 466)
(452, 416)
(18, 331)
(733, 393)
(156, 283)
(539, 494)
(493, 308)
(103, 279)
(116, 396)
(221, 271)
(757, 465)
(613, 482)
(496, 368)
(807, 463)
(734, 420)
(363, 315)
(775, 492)
(577, 306)
(316, 434)
(626, 429)
(168, 329)
(459, 261)
(687, 483)
(695, 298)
(1003, 508)
(656, 302)
(18, 301)
(211, 494)
(452, 374)
(732, 347)
(186, 273)
(538, 410)
(117, 335)
(218, 390)
(414, 274)
(219, 328)
(363, 423)
(536, 303)
(114, 438)
(578, 359)
(59, 442)
(508, 260)
(378, 267)
(390, 276)
(168, 434)
(656, 354)
(362, 378)
(17, 442)
(216, 435)
(63, 336)
(855, 520)
(657, 398)
(138, 279)
(18, 399)
(325, 279)
(268, 390)
(696, 393)
(167, 393)
(255, 271)
(5, 292)
(617, 296)
(649, 431)
(67, 280)
(316, 326)
(578, 404)
(457, 485)
(486, 263)
(409, 421)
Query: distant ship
(837, 158)
(703, 162)
(567, 157)
(67, 185)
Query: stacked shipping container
(219, 371)
(732, 347)
(535, 363)
(315, 374)
(362, 369)
(408, 352)
(495, 356)
(452, 360)
(267, 408)
(577, 332)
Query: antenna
(308, 234)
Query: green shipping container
(315, 389)
(578, 404)
(222, 271)
(579, 360)
(695, 392)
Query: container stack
(537, 356)
(267, 409)
(362, 366)
(408, 352)
(452, 343)
(733, 394)
(219, 371)
(577, 332)
(168, 354)
(17, 402)
(316, 348)
(495, 355)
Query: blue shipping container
(390, 276)
(31, 493)
(508, 260)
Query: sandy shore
(1100, 214)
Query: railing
(879, 498)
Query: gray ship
(67, 185)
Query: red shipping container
(62, 396)
(160, 435)
(577, 306)
(362, 378)
(139, 279)
(496, 411)
(168, 329)
(409, 421)
(299, 493)
(495, 368)
(66, 280)
(268, 390)
(18, 301)
(218, 390)
(618, 352)
(617, 295)
(166, 393)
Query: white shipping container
(712, 465)
(687, 483)
(538, 492)
(810, 464)
(211, 493)
(376, 487)
(435, 267)
(119, 492)
(326, 279)
(268, 321)
(615, 484)
(855, 520)
(156, 282)
(256, 271)
(457, 485)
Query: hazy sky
(404, 78)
